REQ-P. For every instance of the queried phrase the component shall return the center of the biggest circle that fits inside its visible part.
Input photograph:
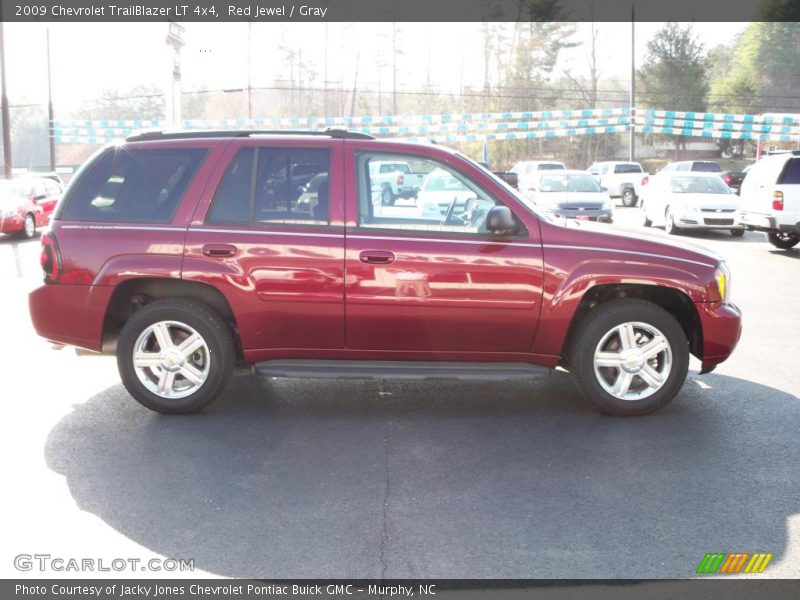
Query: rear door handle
(219, 250)
(376, 257)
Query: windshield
(628, 168)
(689, 184)
(551, 167)
(709, 167)
(569, 183)
(441, 181)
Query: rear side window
(791, 172)
(628, 168)
(274, 185)
(133, 185)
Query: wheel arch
(673, 300)
(132, 294)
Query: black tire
(669, 223)
(28, 227)
(213, 330)
(597, 325)
(645, 221)
(629, 197)
(387, 197)
(737, 233)
(784, 241)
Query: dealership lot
(291, 478)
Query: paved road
(290, 478)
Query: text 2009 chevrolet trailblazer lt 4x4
(188, 253)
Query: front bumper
(601, 215)
(721, 324)
(12, 224)
(708, 220)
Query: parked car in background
(395, 179)
(526, 171)
(733, 179)
(27, 203)
(770, 198)
(510, 178)
(690, 200)
(705, 166)
(621, 179)
(182, 254)
(572, 194)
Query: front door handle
(376, 257)
(219, 250)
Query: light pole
(4, 99)
(632, 129)
(174, 91)
(50, 114)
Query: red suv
(189, 253)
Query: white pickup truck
(394, 179)
(770, 198)
(621, 179)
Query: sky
(88, 57)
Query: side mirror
(603, 189)
(39, 198)
(499, 220)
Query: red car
(27, 204)
(189, 253)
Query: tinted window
(707, 166)
(791, 172)
(130, 185)
(628, 168)
(689, 184)
(551, 167)
(446, 202)
(290, 186)
(52, 187)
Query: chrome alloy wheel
(632, 361)
(171, 359)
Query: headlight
(607, 205)
(723, 277)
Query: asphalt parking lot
(292, 478)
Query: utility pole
(174, 91)
(249, 75)
(4, 99)
(632, 129)
(50, 115)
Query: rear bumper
(768, 223)
(70, 314)
(722, 327)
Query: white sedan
(690, 200)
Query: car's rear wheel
(669, 223)
(29, 226)
(630, 357)
(628, 197)
(782, 240)
(387, 197)
(175, 356)
(737, 233)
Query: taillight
(399, 180)
(777, 201)
(727, 179)
(50, 258)
(645, 179)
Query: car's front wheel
(29, 227)
(175, 356)
(784, 241)
(646, 221)
(669, 223)
(630, 357)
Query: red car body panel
(307, 292)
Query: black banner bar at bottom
(363, 589)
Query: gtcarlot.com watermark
(47, 562)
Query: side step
(366, 369)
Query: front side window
(265, 186)
(429, 197)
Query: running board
(365, 369)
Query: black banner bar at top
(398, 10)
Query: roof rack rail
(188, 134)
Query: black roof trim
(190, 134)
